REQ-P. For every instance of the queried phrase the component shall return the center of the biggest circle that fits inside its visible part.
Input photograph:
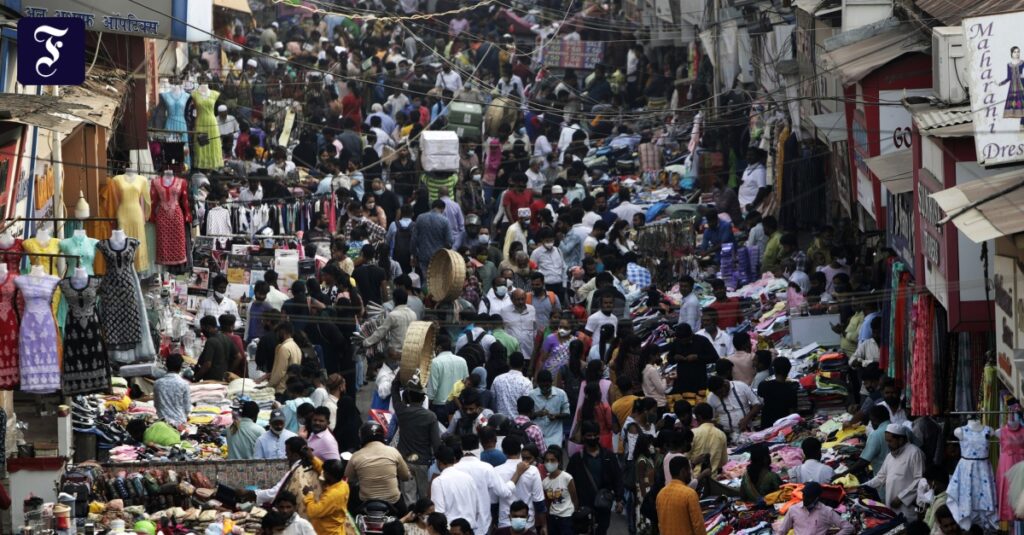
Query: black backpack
(519, 431)
(401, 248)
(473, 351)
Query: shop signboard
(151, 18)
(572, 54)
(994, 78)
(841, 168)
(933, 238)
(894, 122)
(899, 223)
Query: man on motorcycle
(377, 468)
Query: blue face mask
(518, 524)
(599, 268)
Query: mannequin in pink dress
(1011, 452)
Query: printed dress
(1014, 107)
(9, 333)
(86, 368)
(209, 156)
(170, 215)
(12, 260)
(37, 339)
(971, 495)
(121, 312)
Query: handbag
(604, 499)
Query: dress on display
(1011, 452)
(9, 332)
(176, 112)
(86, 367)
(37, 339)
(972, 491)
(207, 156)
(51, 267)
(121, 307)
(13, 261)
(170, 215)
(84, 248)
(133, 206)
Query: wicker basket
(417, 351)
(446, 275)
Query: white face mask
(484, 238)
(551, 467)
(500, 291)
(563, 332)
(476, 178)
(217, 295)
(549, 245)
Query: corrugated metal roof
(96, 102)
(858, 53)
(997, 212)
(932, 118)
(951, 12)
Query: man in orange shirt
(678, 505)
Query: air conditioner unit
(949, 64)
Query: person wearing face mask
(497, 298)
(518, 521)
(595, 470)
(415, 522)
(600, 318)
(218, 354)
(271, 444)
(560, 493)
(517, 232)
(217, 303)
(550, 262)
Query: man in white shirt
(535, 179)
(228, 127)
(605, 316)
(529, 488)
(217, 303)
(812, 469)
(298, 455)
(448, 79)
(550, 261)
(281, 166)
(902, 468)
(754, 181)
(487, 481)
(626, 209)
(275, 297)
(508, 387)
(718, 337)
(497, 298)
(735, 404)
(521, 322)
(454, 492)
(690, 311)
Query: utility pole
(717, 63)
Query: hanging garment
(37, 338)
(84, 248)
(12, 260)
(86, 367)
(1011, 452)
(210, 155)
(121, 312)
(923, 379)
(170, 214)
(9, 333)
(972, 491)
(176, 112)
(133, 207)
(51, 266)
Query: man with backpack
(399, 238)
(474, 344)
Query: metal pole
(717, 83)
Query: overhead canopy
(990, 206)
(234, 5)
(894, 170)
(859, 58)
(951, 13)
(831, 127)
(95, 102)
(934, 121)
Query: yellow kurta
(133, 208)
(329, 514)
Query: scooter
(373, 516)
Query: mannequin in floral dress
(170, 214)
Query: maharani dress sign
(996, 83)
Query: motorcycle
(373, 516)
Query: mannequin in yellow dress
(133, 208)
(45, 244)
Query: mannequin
(171, 215)
(130, 174)
(117, 239)
(1011, 452)
(83, 247)
(175, 100)
(6, 240)
(43, 235)
(168, 178)
(80, 279)
(208, 155)
(3, 270)
(972, 489)
(37, 271)
(204, 89)
(80, 233)
(133, 210)
(82, 207)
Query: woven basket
(417, 351)
(446, 275)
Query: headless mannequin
(168, 178)
(118, 239)
(80, 233)
(37, 271)
(3, 270)
(80, 279)
(1013, 423)
(176, 90)
(6, 240)
(130, 174)
(204, 90)
(972, 424)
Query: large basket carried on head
(446, 275)
(417, 351)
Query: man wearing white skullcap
(900, 472)
(228, 126)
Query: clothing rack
(982, 412)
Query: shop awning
(857, 58)
(933, 121)
(894, 170)
(985, 208)
(234, 5)
(95, 102)
(951, 13)
(831, 127)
